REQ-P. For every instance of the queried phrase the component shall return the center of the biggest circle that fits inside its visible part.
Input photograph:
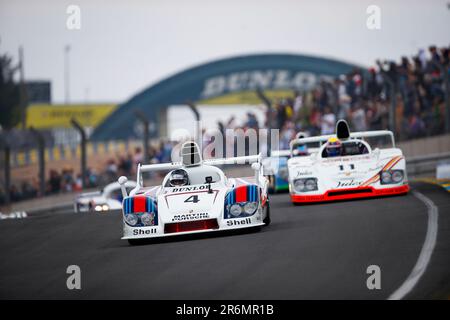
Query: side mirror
(256, 166)
(209, 180)
(122, 181)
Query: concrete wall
(425, 146)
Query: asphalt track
(317, 251)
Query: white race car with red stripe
(210, 202)
(358, 172)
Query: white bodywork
(348, 176)
(107, 199)
(197, 207)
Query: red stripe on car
(241, 194)
(139, 204)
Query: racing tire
(267, 219)
(271, 188)
(135, 242)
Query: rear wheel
(267, 218)
(271, 187)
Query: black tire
(267, 219)
(254, 229)
(135, 242)
(271, 187)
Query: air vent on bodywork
(191, 226)
(342, 130)
(345, 192)
(190, 154)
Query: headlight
(305, 185)
(148, 219)
(105, 207)
(397, 176)
(98, 208)
(131, 219)
(386, 177)
(235, 210)
(250, 207)
(311, 184)
(299, 185)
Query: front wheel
(135, 242)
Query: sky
(123, 47)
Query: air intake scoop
(342, 130)
(190, 154)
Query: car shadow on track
(191, 237)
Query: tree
(9, 93)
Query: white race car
(195, 196)
(109, 198)
(354, 171)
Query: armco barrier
(425, 166)
(425, 146)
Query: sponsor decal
(351, 183)
(304, 173)
(190, 216)
(238, 222)
(45, 115)
(264, 79)
(193, 188)
(345, 159)
(313, 198)
(139, 232)
(377, 168)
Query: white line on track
(425, 253)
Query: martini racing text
(190, 216)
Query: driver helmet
(334, 147)
(301, 150)
(178, 178)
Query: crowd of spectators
(364, 99)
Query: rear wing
(354, 135)
(89, 194)
(178, 165)
(280, 153)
